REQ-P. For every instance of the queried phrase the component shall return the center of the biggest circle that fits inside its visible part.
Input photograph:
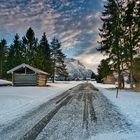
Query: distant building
(109, 79)
(26, 75)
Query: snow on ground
(116, 136)
(5, 82)
(128, 103)
(16, 101)
(87, 115)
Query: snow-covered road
(82, 112)
(87, 115)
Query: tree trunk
(121, 81)
(131, 79)
(136, 79)
(1, 72)
(131, 59)
(53, 78)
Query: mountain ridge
(76, 69)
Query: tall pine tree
(43, 57)
(111, 34)
(15, 53)
(130, 29)
(30, 45)
(104, 69)
(3, 48)
(58, 66)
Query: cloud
(74, 22)
(91, 61)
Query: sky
(74, 22)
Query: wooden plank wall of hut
(25, 79)
(42, 80)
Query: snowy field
(17, 101)
(128, 103)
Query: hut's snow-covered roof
(27, 66)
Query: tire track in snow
(87, 114)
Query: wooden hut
(26, 75)
(109, 79)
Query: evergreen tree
(136, 73)
(30, 45)
(3, 48)
(93, 76)
(58, 66)
(15, 53)
(61, 67)
(18, 50)
(104, 69)
(112, 33)
(130, 36)
(120, 34)
(43, 55)
(137, 21)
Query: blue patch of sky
(85, 7)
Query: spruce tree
(111, 34)
(136, 73)
(3, 48)
(15, 53)
(58, 66)
(93, 76)
(137, 21)
(61, 67)
(104, 69)
(30, 45)
(43, 55)
(18, 50)
(131, 22)
(128, 44)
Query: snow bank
(128, 102)
(5, 82)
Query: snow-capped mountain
(76, 69)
